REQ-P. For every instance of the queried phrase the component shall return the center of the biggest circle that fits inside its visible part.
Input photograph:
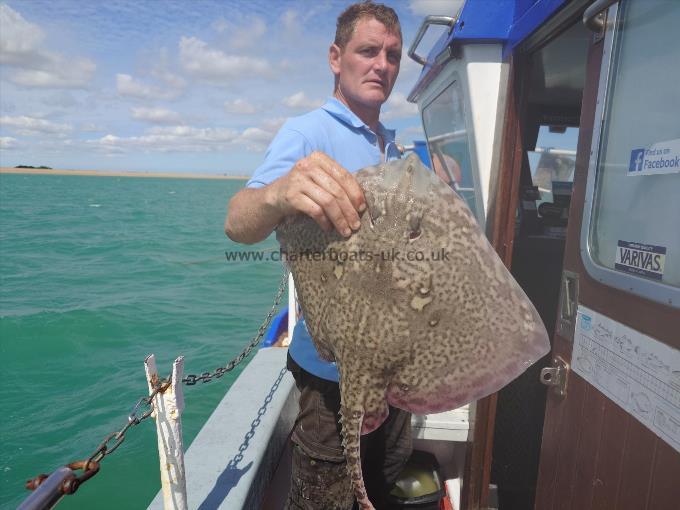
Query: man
(308, 169)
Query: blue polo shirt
(336, 131)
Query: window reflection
(447, 138)
(553, 161)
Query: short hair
(347, 21)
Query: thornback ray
(416, 307)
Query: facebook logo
(637, 156)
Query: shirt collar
(339, 110)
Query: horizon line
(119, 173)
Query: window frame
(649, 289)
(449, 76)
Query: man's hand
(320, 188)
(317, 186)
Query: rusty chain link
(103, 449)
(90, 467)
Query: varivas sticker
(658, 158)
(640, 259)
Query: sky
(192, 86)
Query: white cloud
(172, 139)
(258, 138)
(290, 20)
(240, 107)
(7, 142)
(161, 72)
(126, 85)
(19, 39)
(196, 135)
(62, 73)
(397, 107)
(175, 82)
(192, 139)
(21, 47)
(299, 101)
(242, 35)
(297, 24)
(213, 65)
(273, 124)
(156, 115)
(436, 7)
(90, 127)
(30, 126)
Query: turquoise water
(96, 273)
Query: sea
(95, 274)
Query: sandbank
(117, 173)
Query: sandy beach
(117, 173)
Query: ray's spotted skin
(421, 334)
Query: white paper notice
(640, 374)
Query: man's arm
(250, 218)
(316, 186)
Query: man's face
(368, 66)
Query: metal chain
(233, 463)
(90, 467)
(103, 449)
(205, 377)
(111, 442)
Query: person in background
(447, 169)
(308, 169)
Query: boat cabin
(561, 120)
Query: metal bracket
(429, 20)
(566, 320)
(556, 376)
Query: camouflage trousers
(319, 479)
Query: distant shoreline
(118, 173)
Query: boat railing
(231, 463)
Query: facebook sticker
(637, 157)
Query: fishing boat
(556, 121)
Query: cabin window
(552, 165)
(448, 142)
(631, 229)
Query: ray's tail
(350, 422)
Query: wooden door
(597, 451)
